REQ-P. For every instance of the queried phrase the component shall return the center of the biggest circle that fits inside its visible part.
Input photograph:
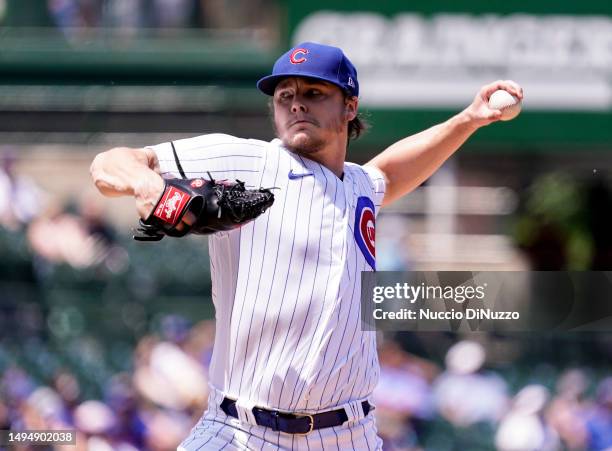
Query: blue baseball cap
(312, 60)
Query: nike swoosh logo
(294, 176)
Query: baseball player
(291, 367)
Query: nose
(298, 106)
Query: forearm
(410, 161)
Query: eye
(284, 95)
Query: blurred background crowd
(113, 338)
(71, 15)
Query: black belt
(293, 423)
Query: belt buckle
(311, 425)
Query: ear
(350, 108)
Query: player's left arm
(409, 162)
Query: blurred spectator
(170, 378)
(123, 14)
(15, 385)
(122, 398)
(166, 429)
(95, 223)
(199, 344)
(4, 416)
(80, 240)
(69, 14)
(523, 427)
(566, 411)
(464, 393)
(98, 422)
(402, 396)
(43, 408)
(175, 13)
(61, 237)
(175, 328)
(21, 200)
(599, 420)
(134, 15)
(74, 17)
(176, 387)
(67, 387)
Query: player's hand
(148, 188)
(147, 193)
(479, 113)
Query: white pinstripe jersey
(286, 287)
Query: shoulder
(370, 180)
(217, 139)
(222, 155)
(228, 145)
(372, 174)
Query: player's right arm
(409, 162)
(124, 171)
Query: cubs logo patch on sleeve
(365, 229)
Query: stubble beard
(303, 143)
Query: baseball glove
(216, 205)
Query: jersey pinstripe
(286, 286)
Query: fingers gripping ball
(216, 205)
(509, 105)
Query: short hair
(358, 125)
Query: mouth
(302, 122)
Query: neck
(332, 161)
(332, 156)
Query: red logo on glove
(294, 56)
(197, 183)
(171, 205)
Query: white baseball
(509, 105)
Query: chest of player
(322, 220)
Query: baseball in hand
(509, 105)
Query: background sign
(433, 57)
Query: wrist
(147, 192)
(466, 121)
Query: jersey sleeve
(376, 181)
(223, 156)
